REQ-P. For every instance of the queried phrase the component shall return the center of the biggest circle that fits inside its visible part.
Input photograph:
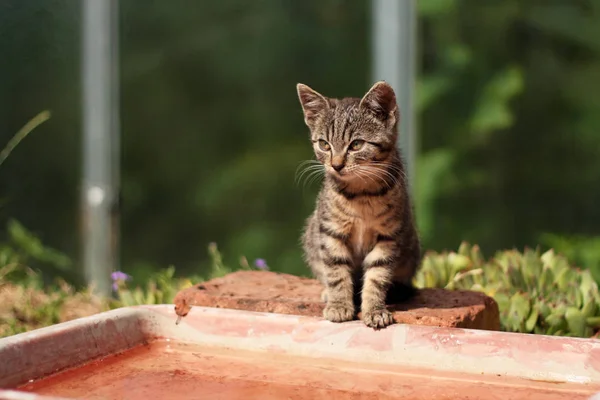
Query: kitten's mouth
(343, 175)
(337, 173)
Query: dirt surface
(19, 307)
(265, 291)
(168, 370)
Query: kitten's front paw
(339, 313)
(377, 319)
(324, 296)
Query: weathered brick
(273, 292)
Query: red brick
(273, 292)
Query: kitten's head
(353, 138)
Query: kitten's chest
(362, 237)
(364, 231)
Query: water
(171, 370)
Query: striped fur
(361, 241)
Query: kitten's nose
(337, 162)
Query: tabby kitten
(361, 241)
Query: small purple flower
(260, 263)
(117, 277)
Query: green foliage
(508, 121)
(27, 302)
(29, 246)
(583, 251)
(23, 133)
(218, 268)
(160, 288)
(493, 110)
(536, 293)
(24, 252)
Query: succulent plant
(536, 293)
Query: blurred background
(506, 106)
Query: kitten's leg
(331, 262)
(318, 270)
(310, 244)
(337, 277)
(339, 292)
(378, 275)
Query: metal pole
(100, 140)
(115, 208)
(394, 60)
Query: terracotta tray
(139, 353)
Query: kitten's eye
(323, 145)
(356, 145)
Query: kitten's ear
(313, 103)
(380, 100)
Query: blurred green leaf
(434, 8)
(432, 169)
(493, 111)
(33, 247)
(430, 89)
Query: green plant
(27, 304)
(26, 301)
(583, 251)
(23, 247)
(161, 288)
(22, 134)
(536, 293)
(218, 267)
(163, 285)
(23, 254)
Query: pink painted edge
(44, 351)
(19, 395)
(535, 357)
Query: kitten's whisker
(359, 172)
(371, 173)
(360, 176)
(306, 162)
(374, 171)
(301, 169)
(313, 176)
(396, 168)
(377, 173)
(308, 170)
